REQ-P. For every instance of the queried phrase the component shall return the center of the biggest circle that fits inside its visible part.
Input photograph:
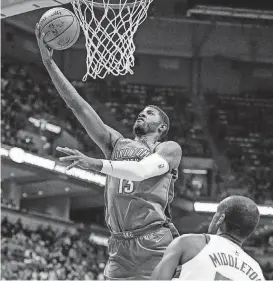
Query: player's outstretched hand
(45, 51)
(78, 158)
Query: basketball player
(140, 180)
(220, 256)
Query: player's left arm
(167, 157)
(171, 152)
(165, 270)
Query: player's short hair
(241, 215)
(164, 118)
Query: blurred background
(209, 65)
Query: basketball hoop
(109, 27)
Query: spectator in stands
(44, 254)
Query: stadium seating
(45, 254)
(242, 129)
(24, 96)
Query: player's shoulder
(192, 237)
(170, 146)
(171, 152)
(188, 240)
(188, 245)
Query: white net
(109, 32)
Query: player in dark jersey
(140, 187)
(140, 180)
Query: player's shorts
(135, 254)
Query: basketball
(61, 28)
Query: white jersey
(221, 259)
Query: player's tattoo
(48, 63)
(144, 139)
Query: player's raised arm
(104, 136)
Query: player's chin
(139, 129)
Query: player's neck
(147, 139)
(231, 238)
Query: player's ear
(220, 220)
(162, 127)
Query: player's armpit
(103, 135)
(165, 270)
(114, 136)
(171, 152)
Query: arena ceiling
(257, 5)
(27, 21)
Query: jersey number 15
(125, 186)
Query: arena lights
(99, 240)
(4, 152)
(212, 207)
(18, 155)
(44, 125)
(195, 171)
(205, 207)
